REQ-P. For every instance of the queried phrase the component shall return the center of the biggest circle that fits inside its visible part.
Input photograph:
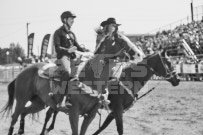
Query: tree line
(11, 54)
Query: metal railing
(8, 73)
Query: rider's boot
(63, 90)
(104, 97)
(66, 100)
(112, 80)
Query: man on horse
(66, 46)
(109, 38)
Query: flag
(45, 43)
(189, 50)
(53, 51)
(30, 45)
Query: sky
(43, 16)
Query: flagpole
(191, 6)
(27, 39)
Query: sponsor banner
(53, 51)
(30, 45)
(189, 68)
(200, 67)
(177, 68)
(44, 47)
(189, 50)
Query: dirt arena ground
(166, 111)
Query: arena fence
(8, 73)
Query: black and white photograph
(92, 67)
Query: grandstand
(192, 33)
(189, 65)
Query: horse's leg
(18, 109)
(43, 89)
(36, 106)
(118, 113)
(48, 116)
(88, 119)
(74, 118)
(107, 121)
(51, 127)
(22, 125)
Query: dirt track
(166, 111)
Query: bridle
(169, 74)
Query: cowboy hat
(109, 21)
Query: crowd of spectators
(191, 32)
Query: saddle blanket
(50, 71)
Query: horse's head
(161, 66)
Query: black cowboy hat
(109, 21)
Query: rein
(120, 83)
(167, 76)
(150, 90)
(168, 73)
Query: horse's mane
(132, 64)
(150, 55)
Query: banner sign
(189, 68)
(30, 45)
(44, 46)
(189, 50)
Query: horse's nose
(177, 82)
(178, 78)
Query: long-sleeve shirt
(65, 39)
(110, 47)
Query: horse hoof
(46, 132)
(20, 132)
(17, 134)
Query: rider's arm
(57, 43)
(125, 40)
(79, 48)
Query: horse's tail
(11, 91)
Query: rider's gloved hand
(72, 49)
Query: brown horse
(123, 49)
(28, 86)
(135, 78)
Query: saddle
(50, 71)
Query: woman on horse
(108, 38)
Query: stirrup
(104, 97)
(50, 94)
(106, 102)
